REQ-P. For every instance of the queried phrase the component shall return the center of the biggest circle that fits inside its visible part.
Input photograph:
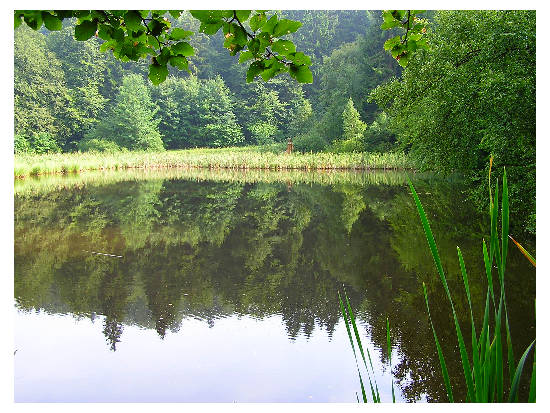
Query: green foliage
(352, 70)
(197, 112)
(354, 128)
(41, 97)
(347, 146)
(131, 123)
(309, 142)
(140, 34)
(98, 145)
(378, 135)
(299, 113)
(471, 96)
(402, 48)
(484, 377)
(265, 116)
(280, 110)
(37, 143)
(352, 124)
(43, 143)
(21, 144)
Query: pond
(205, 286)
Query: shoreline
(248, 158)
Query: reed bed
(224, 158)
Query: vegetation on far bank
(467, 92)
(230, 158)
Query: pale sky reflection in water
(61, 359)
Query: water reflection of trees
(211, 249)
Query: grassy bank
(224, 158)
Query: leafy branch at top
(137, 34)
(403, 47)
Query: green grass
(484, 376)
(225, 158)
(351, 325)
(483, 365)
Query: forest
(468, 96)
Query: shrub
(21, 144)
(309, 142)
(43, 142)
(348, 145)
(98, 145)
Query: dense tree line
(71, 96)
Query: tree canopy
(258, 37)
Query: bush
(346, 146)
(43, 143)
(378, 136)
(21, 144)
(275, 147)
(98, 145)
(309, 142)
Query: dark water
(163, 287)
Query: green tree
(378, 136)
(218, 122)
(351, 122)
(265, 116)
(197, 112)
(41, 100)
(131, 124)
(470, 97)
(353, 127)
(353, 70)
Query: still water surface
(218, 287)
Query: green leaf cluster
(258, 37)
(403, 47)
(140, 34)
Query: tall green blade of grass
(475, 353)
(496, 252)
(435, 254)
(439, 352)
(389, 355)
(487, 368)
(532, 388)
(483, 353)
(505, 220)
(515, 383)
(345, 315)
(375, 394)
(488, 273)
(499, 370)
